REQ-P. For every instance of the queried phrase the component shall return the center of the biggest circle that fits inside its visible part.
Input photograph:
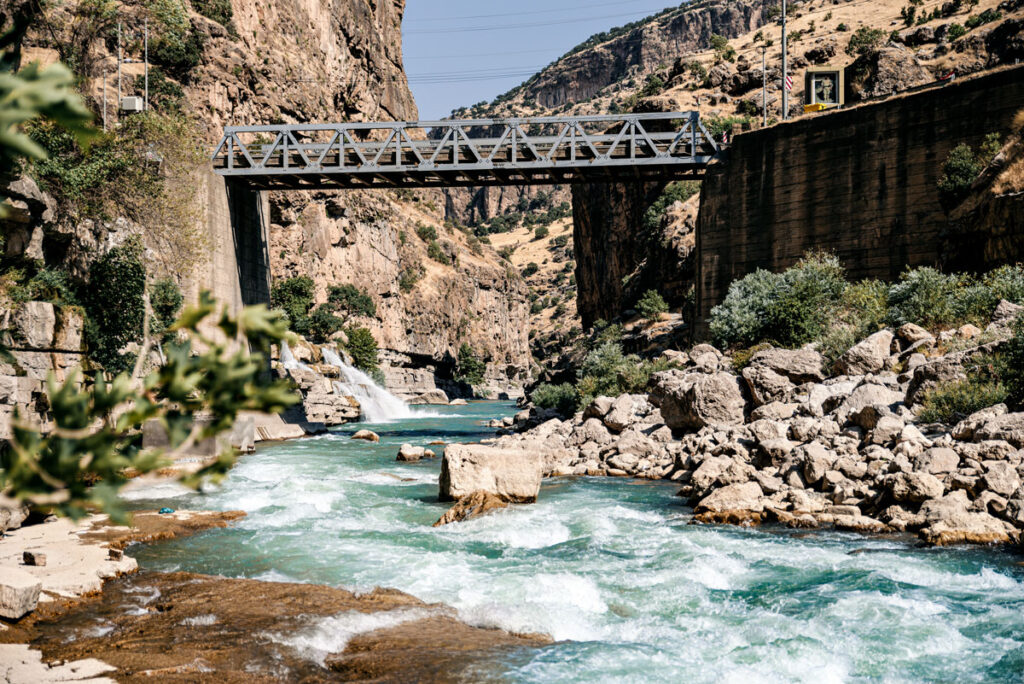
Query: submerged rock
(472, 506)
(367, 435)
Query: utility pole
(785, 69)
(145, 101)
(104, 101)
(119, 67)
(764, 84)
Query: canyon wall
(291, 61)
(861, 182)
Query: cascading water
(378, 405)
(288, 359)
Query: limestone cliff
(289, 61)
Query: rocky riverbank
(786, 439)
(75, 609)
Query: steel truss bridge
(527, 151)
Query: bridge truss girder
(527, 151)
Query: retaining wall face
(860, 182)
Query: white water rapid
(378, 405)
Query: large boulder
(19, 592)
(434, 396)
(914, 487)
(695, 400)
(884, 72)
(867, 356)
(939, 372)
(512, 474)
(796, 365)
(867, 394)
(948, 520)
(621, 413)
(766, 386)
(736, 503)
(1008, 427)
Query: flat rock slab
(19, 663)
(198, 628)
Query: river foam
(613, 570)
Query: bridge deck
(534, 151)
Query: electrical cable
(508, 27)
(534, 12)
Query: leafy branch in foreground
(96, 438)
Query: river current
(610, 568)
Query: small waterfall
(378, 405)
(288, 359)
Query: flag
(789, 82)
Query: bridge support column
(610, 245)
(250, 211)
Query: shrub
(1012, 365)
(294, 296)
(530, 269)
(560, 241)
(1006, 282)
(351, 300)
(651, 305)
(952, 402)
(653, 85)
(924, 296)
(564, 398)
(408, 278)
(865, 40)
(955, 31)
(435, 252)
(720, 44)
(165, 299)
(49, 285)
(469, 368)
(426, 233)
(678, 191)
(958, 174)
(791, 308)
(540, 233)
(363, 348)
(175, 46)
(537, 307)
(164, 93)
(476, 246)
(607, 371)
(218, 10)
(116, 306)
(741, 357)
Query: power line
(582, 8)
(507, 27)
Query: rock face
(579, 76)
(884, 72)
(511, 474)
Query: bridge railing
(432, 149)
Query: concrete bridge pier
(249, 212)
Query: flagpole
(785, 69)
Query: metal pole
(104, 102)
(118, 67)
(785, 68)
(145, 102)
(764, 84)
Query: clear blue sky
(460, 52)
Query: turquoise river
(610, 568)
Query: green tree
(469, 367)
(363, 348)
(165, 299)
(865, 40)
(351, 300)
(294, 296)
(116, 305)
(651, 305)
